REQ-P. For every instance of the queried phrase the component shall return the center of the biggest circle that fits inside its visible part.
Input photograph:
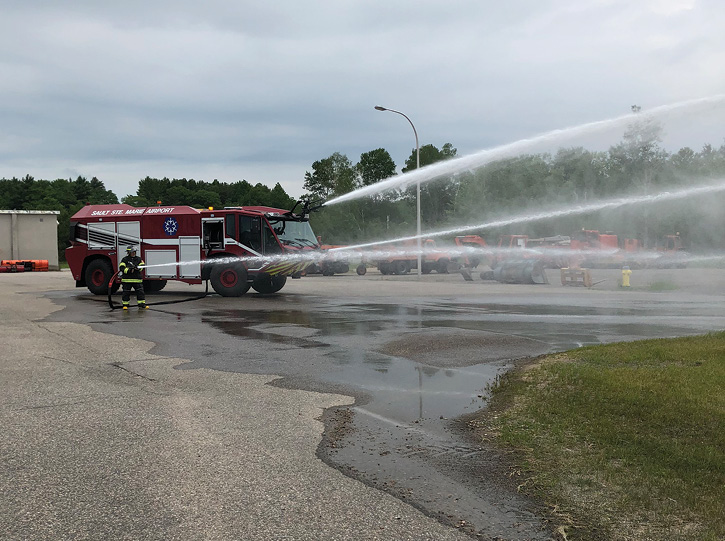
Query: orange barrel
(29, 264)
(12, 268)
(40, 265)
(18, 263)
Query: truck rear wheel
(229, 279)
(98, 274)
(341, 267)
(266, 284)
(153, 286)
(401, 267)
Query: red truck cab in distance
(235, 248)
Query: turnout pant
(140, 295)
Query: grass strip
(621, 441)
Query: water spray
(483, 157)
(471, 252)
(375, 250)
(704, 189)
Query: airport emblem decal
(171, 226)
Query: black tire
(384, 268)
(442, 266)
(98, 274)
(229, 279)
(153, 286)
(426, 267)
(361, 269)
(341, 268)
(266, 284)
(400, 267)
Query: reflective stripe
(131, 280)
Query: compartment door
(129, 233)
(102, 236)
(162, 263)
(190, 257)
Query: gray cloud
(234, 90)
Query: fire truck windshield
(294, 233)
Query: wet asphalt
(416, 354)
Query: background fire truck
(403, 258)
(234, 248)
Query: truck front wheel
(229, 279)
(98, 274)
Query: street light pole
(417, 184)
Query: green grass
(662, 286)
(623, 441)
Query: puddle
(434, 360)
(406, 391)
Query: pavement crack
(66, 337)
(66, 361)
(134, 374)
(60, 404)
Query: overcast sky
(238, 90)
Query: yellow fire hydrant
(625, 276)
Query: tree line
(201, 194)
(638, 164)
(528, 183)
(68, 196)
(64, 195)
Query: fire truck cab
(235, 248)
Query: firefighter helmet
(130, 249)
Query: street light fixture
(417, 184)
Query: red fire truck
(234, 248)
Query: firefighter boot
(142, 305)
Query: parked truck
(671, 252)
(333, 260)
(474, 251)
(234, 248)
(403, 258)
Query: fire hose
(117, 277)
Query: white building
(29, 234)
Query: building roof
(29, 212)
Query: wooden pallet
(576, 277)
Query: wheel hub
(228, 278)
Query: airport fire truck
(234, 248)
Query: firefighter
(131, 278)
